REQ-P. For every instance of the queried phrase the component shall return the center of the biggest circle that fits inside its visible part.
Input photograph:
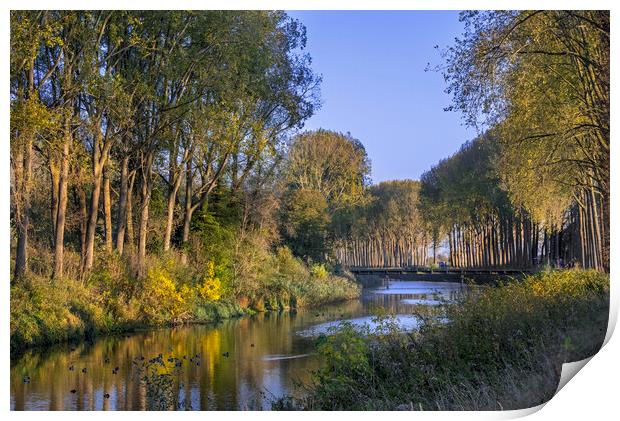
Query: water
(243, 363)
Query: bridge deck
(428, 270)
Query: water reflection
(243, 362)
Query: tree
(331, 163)
(324, 177)
(305, 223)
(540, 80)
(387, 230)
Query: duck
(26, 379)
(106, 360)
(226, 354)
(106, 395)
(84, 370)
(73, 391)
(71, 367)
(115, 370)
(252, 345)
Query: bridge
(440, 271)
(369, 276)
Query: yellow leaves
(32, 120)
(211, 288)
(319, 271)
(32, 115)
(573, 283)
(162, 296)
(167, 298)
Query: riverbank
(110, 302)
(501, 349)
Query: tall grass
(501, 348)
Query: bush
(211, 289)
(161, 300)
(319, 271)
(43, 313)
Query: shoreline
(133, 328)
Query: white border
(592, 394)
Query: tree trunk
(22, 180)
(55, 180)
(147, 184)
(83, 216)
(121, 215)
(88, 253)
(176, 181)
(187, 219)
(60, 217)
(130, 231)
(107, 209)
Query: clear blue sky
(374, 85)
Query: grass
(501, 348)
(45, 312)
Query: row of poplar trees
(105, 104)
(534, 188)
(387, 229)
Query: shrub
(162, 300)
(319, 271)
(113, 300)
(211, 288)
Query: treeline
(126, 125)
(388, 230)
(331, 213)
(462, 198)
(535, 187)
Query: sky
(375, 85)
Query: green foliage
(325, 177)
(334, 164)
(464, 188)
(305, 220)
(43, 314)
(507, 343)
